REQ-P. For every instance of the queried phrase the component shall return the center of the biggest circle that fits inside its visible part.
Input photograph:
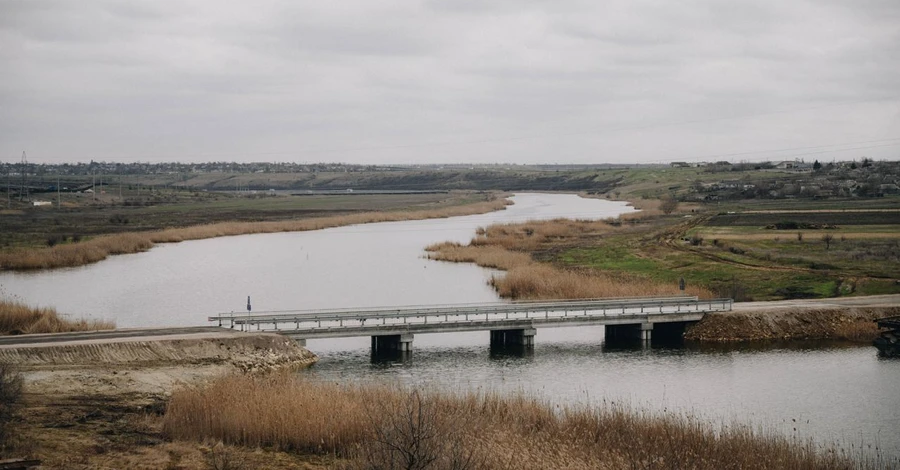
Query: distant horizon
(806, 161)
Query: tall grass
(508, 247)
(18, 318)
(99, 248)
(470, 430)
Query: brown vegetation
(384, 427)
(97, 249)
(509, 246)
(18, 318)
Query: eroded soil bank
(792, 323)
(98, 405)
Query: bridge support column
(401, 343)
(519, 337)
(638, 331)
(646, 331)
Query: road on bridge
(149, 334)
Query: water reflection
(833, 392)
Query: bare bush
(827, 239)
(668, 205)
(411, 433)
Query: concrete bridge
(393, 329)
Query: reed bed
(18, 318)
(99, 248)
(545, 282)
(372, 426)
(508, 247)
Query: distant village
(866, 178)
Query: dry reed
(508, 247)
(99, 248)
(469, 430)
(18, 318)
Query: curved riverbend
(833, 393)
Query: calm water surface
(831, 393)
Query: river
(832, 393)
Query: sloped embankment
(247, 352)
(851, 323)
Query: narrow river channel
(832, 393)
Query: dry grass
(540, 281)
(509, 246)
(18, 318)
(383, 427)
(98, 249)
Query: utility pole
(23, 194)
(58, 193)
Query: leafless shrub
(412, 433)
(827, 239)
(668, 205)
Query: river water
(832, 393)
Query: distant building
(41, 203)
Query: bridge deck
(473, 317)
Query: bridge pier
(386, 343)
(517, 337)
(637, 331)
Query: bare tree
(827, 238)
(668, 205)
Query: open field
(750, 266)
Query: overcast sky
(364, 81)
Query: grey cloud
(110, 79)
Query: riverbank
(186, 404)
(98, 404)
(853, 324)
(83, 252)
(845, 318)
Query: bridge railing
(547, 312)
